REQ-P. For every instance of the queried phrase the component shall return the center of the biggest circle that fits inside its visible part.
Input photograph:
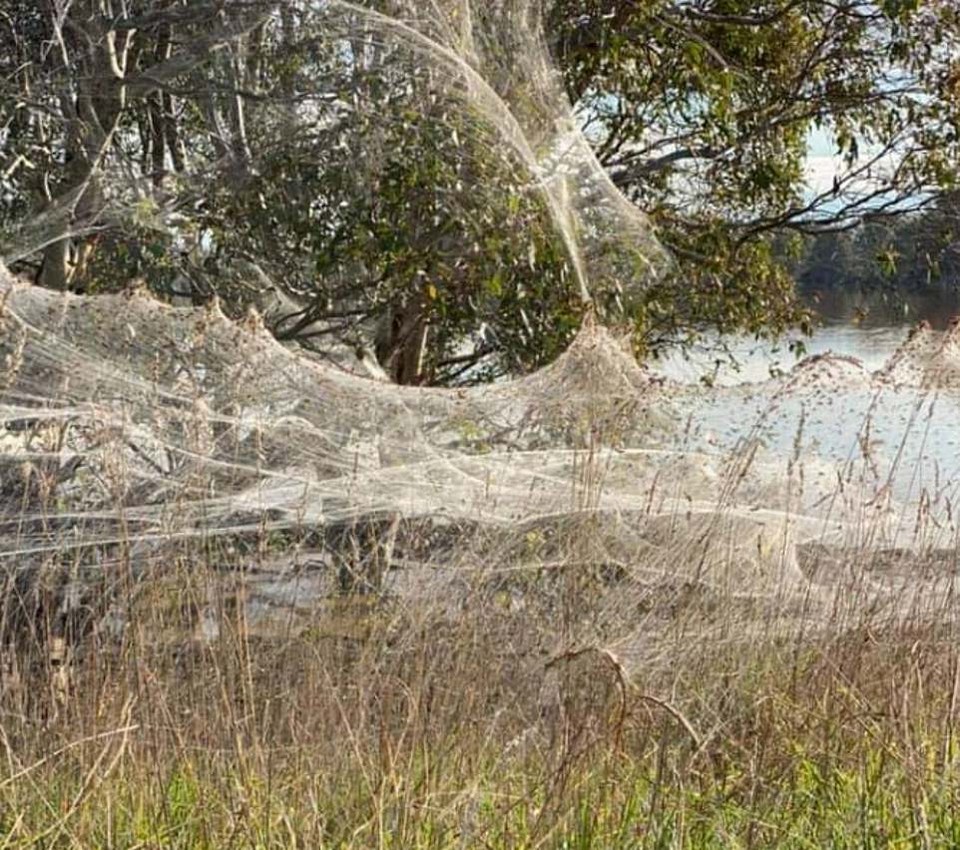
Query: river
(889, 437)
(869, 328)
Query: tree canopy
(703, 111)
(181, 142)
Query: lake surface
(902, 440)
(869, 328)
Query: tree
(396, 192)
(400, 217)
(702, 112)
(344, 168)
(83, 78)
(916, 252)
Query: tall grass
(394, 683)
(364, 722)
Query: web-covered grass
(251, 599)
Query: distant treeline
(912, 253)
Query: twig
(124, 730)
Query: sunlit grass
(323, 742)
(612, 802)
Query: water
(904, 439)
(867, 327)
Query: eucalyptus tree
(176, 141)
(351, 164)
(703, 111)
(85, 102)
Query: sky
(822, 162)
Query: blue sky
(822, 162)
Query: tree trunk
(94, 116)
(401, 344)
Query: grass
(569, 683)
(435, 732)
(875, 796)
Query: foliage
(703, 113)
(376, 203)
(390, 216)
(912, 254)
(172, 141)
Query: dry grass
(594, 678)
(385, 723)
